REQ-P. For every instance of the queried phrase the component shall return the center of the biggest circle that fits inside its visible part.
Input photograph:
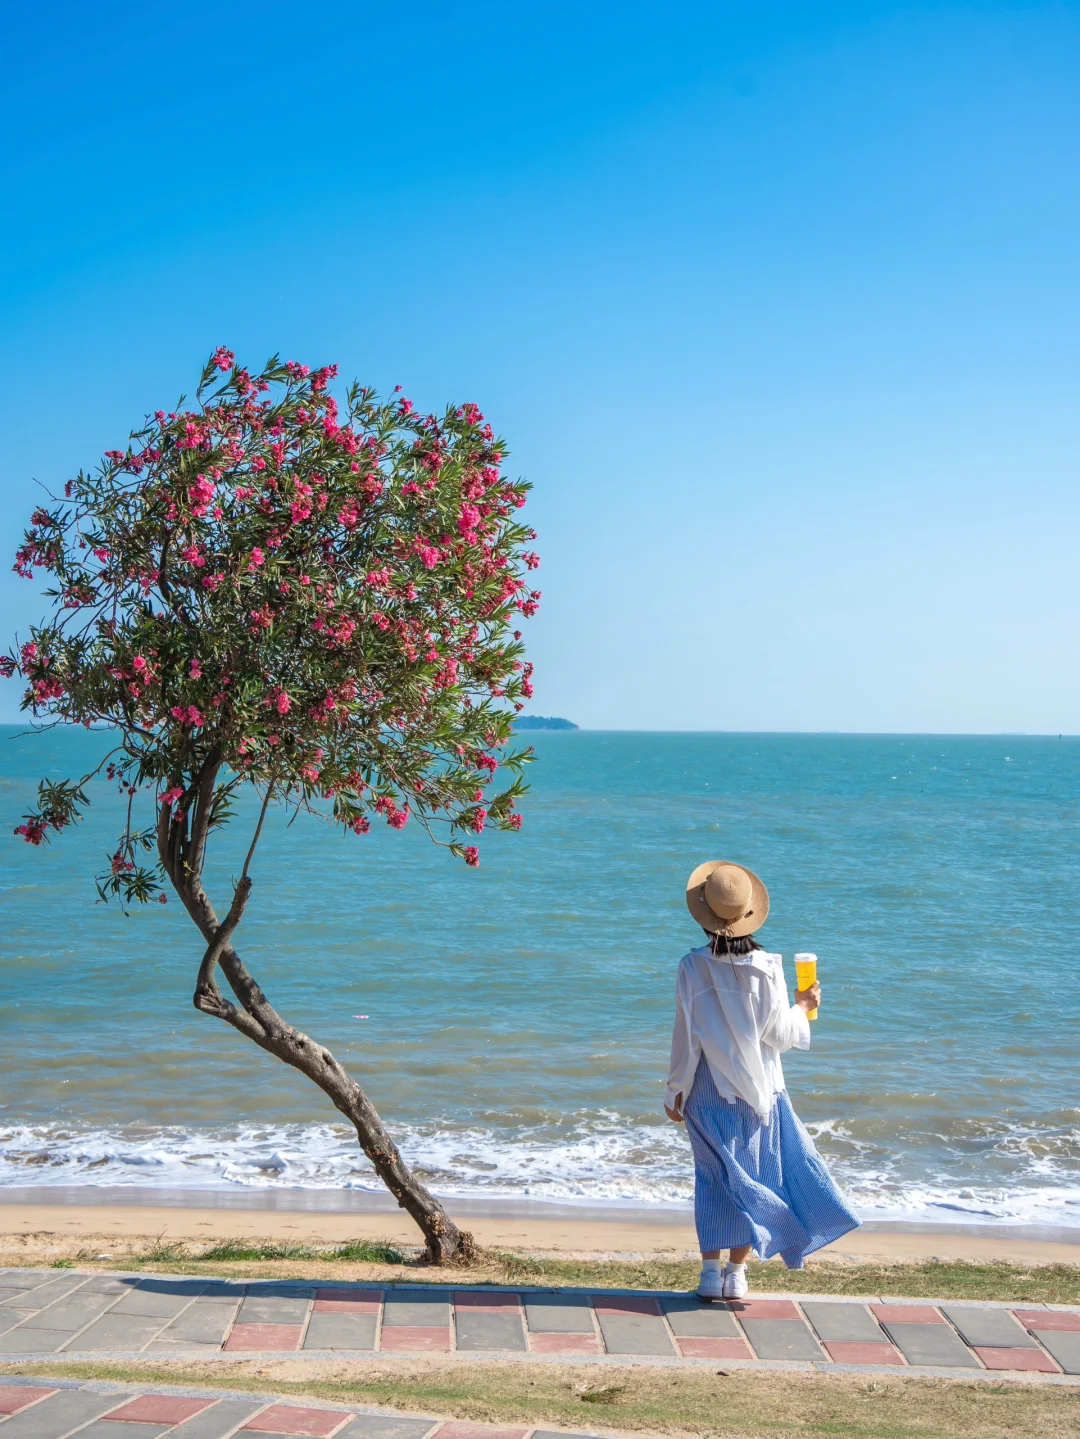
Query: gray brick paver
(782, 1339)
(27, 1278)
(693, 1318)
(121, 1429)
(60, 1414)
(45, 1294)
(272, 1310)
(1063, 1345)
(989, 1328)
(75, 1312)
(33, 1341)
(10, 1317)
(216, 1422)
(932, 1344)
(201, 1323)
(843, 1323)
(634, 1333)
(415, 1307)
(558, 1314)
(154, 1305)
(122, 1332)
(341, 1331)
(387, 1426)
(480, 1329)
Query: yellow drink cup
(806, 975)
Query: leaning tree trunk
(181, 848)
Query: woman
(759, 1183)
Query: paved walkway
(65, 1313)
(90, 1411)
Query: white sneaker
(711, 1284)
(734, 1285)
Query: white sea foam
(603, 1160)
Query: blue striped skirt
(756, 1183)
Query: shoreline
(128, 1216)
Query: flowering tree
(267, 591)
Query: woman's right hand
(675, 1115)
(808, 999)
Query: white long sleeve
(735, 1012)
(685, 1044)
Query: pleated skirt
(759, 1183)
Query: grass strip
(739, 1404)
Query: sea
(512, 1023)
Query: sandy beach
(127, 1218)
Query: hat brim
(753, 919)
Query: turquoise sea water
(512, 1024)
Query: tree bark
(181, 841)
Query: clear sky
(776, 304)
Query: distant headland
(542, 722)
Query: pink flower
(223, 358)
(196, 670)
(33, 831)
(138, 663)
(468, 519)
(429, 557)
(170, 795)
(256, 559)
(188, 715)
(514, 821)
(200, 494)
(472, 856)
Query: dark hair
(721, 944)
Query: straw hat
(727, 898)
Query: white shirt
(734, 1010)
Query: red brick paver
(461, 1430)
(159, 1409)
(706, 1348)
(405, 1337)
(346, 1301)
(1049, 1319)
(564, 1343)
(279, 1337)
(14, 1397)
(907, 1314)
(625, 1304)
(287, 1419)
(764, 1308)
(494, 1303)
(1018, 1359)
(849, 1351)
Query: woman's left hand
(675, 1115)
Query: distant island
(542, 722)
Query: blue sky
(776, 304)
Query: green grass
(741, 1404)
(245, 1251)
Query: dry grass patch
(740, 1404)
